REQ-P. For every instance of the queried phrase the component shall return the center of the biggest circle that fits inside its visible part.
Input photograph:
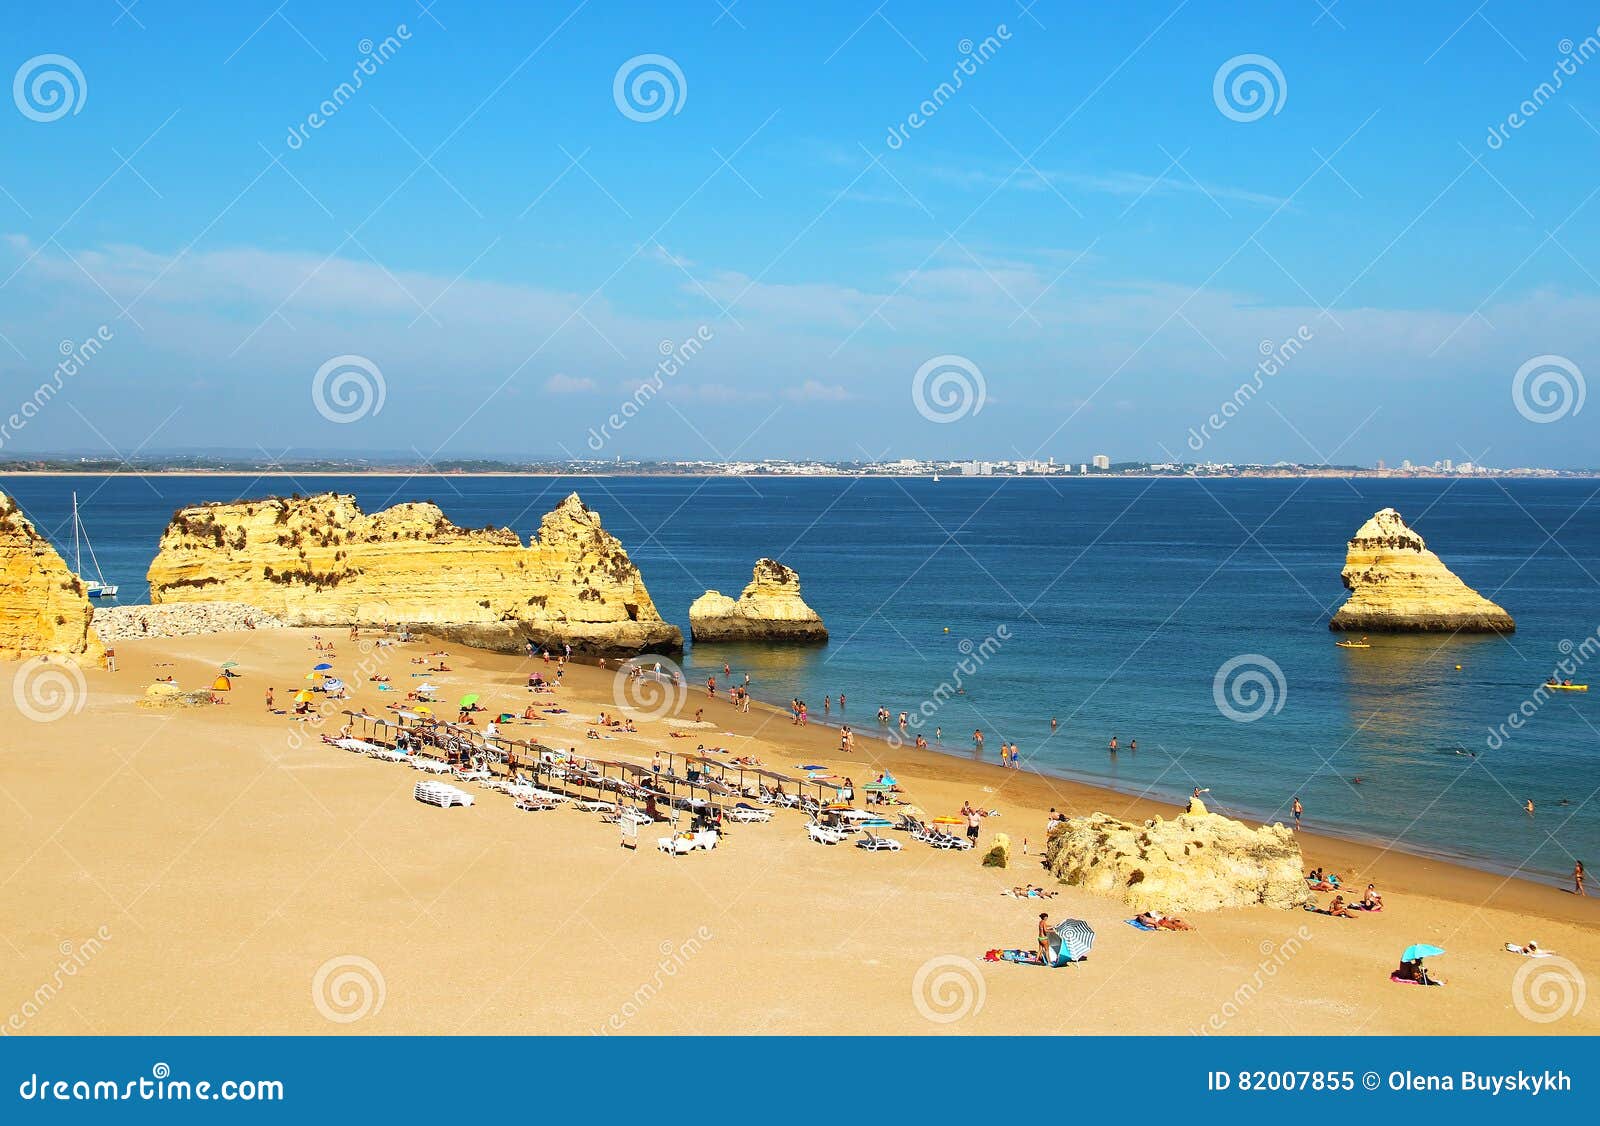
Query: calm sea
(1110, 605)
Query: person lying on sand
(1162, 922)
(1531, 950)
(1028, 892)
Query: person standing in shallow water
(1297, 809)
(1113, 744)
(1577, 879)
(977, 740)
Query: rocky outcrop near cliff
(179, 619)
(1399, 586)
(44, 608)
(769, 609)
(321, 560)
(1194, 862)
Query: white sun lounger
(388, 754)
(823, 834)
(750, 816)
(533, 805)
(441, 795)
(674, 846)
(874, 843)
(431, 765)
(593, 805)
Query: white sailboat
(96, 587)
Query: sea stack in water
(1399, 586)
(44, 608)
(1194, 862)
(321, 560)
(770, 609)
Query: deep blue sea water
(1122, 599)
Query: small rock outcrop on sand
(321, 560)
(1399, 586)
(179, 619)
(1194, 862)
(999, 854)
(44, 607)
(769, 609)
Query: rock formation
(1194, 862)
(321, 560)
(999, 854)
(770, 609)
(1400, 586)
(44, 608)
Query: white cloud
(562, 384)
(815, 391)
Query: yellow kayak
(1569, 687)
(1352, 645)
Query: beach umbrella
(468, 700)
(230, 664)
(948, 821)
(424, 711)
(1072, 938)
(324, 667)
(427, 688)
(302, 697)
(1420, 950)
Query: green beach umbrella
(230, 664)
(468, 700)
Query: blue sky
(1080, 222)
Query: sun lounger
(874, 843)
(430, 765)
(593, 805)
(749, 816)
(674, 846)
(388, 755)
(533, 805)
(824, 834)
(441, 795)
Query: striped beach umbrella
(1071, 940)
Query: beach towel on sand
(1138, 925)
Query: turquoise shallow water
(1121, 600)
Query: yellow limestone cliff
(321, 560)
(769, 609)
(1399, 586)
(44, 608)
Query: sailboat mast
(77, 549)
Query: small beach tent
(1070, 941)
(222, 684)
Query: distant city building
(1447, 465)
(1101, 461)
(1406, 464)
(1082, 468)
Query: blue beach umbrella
(1420, 950)
(1070, 940)
(324, 667)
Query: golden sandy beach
(233, 879)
